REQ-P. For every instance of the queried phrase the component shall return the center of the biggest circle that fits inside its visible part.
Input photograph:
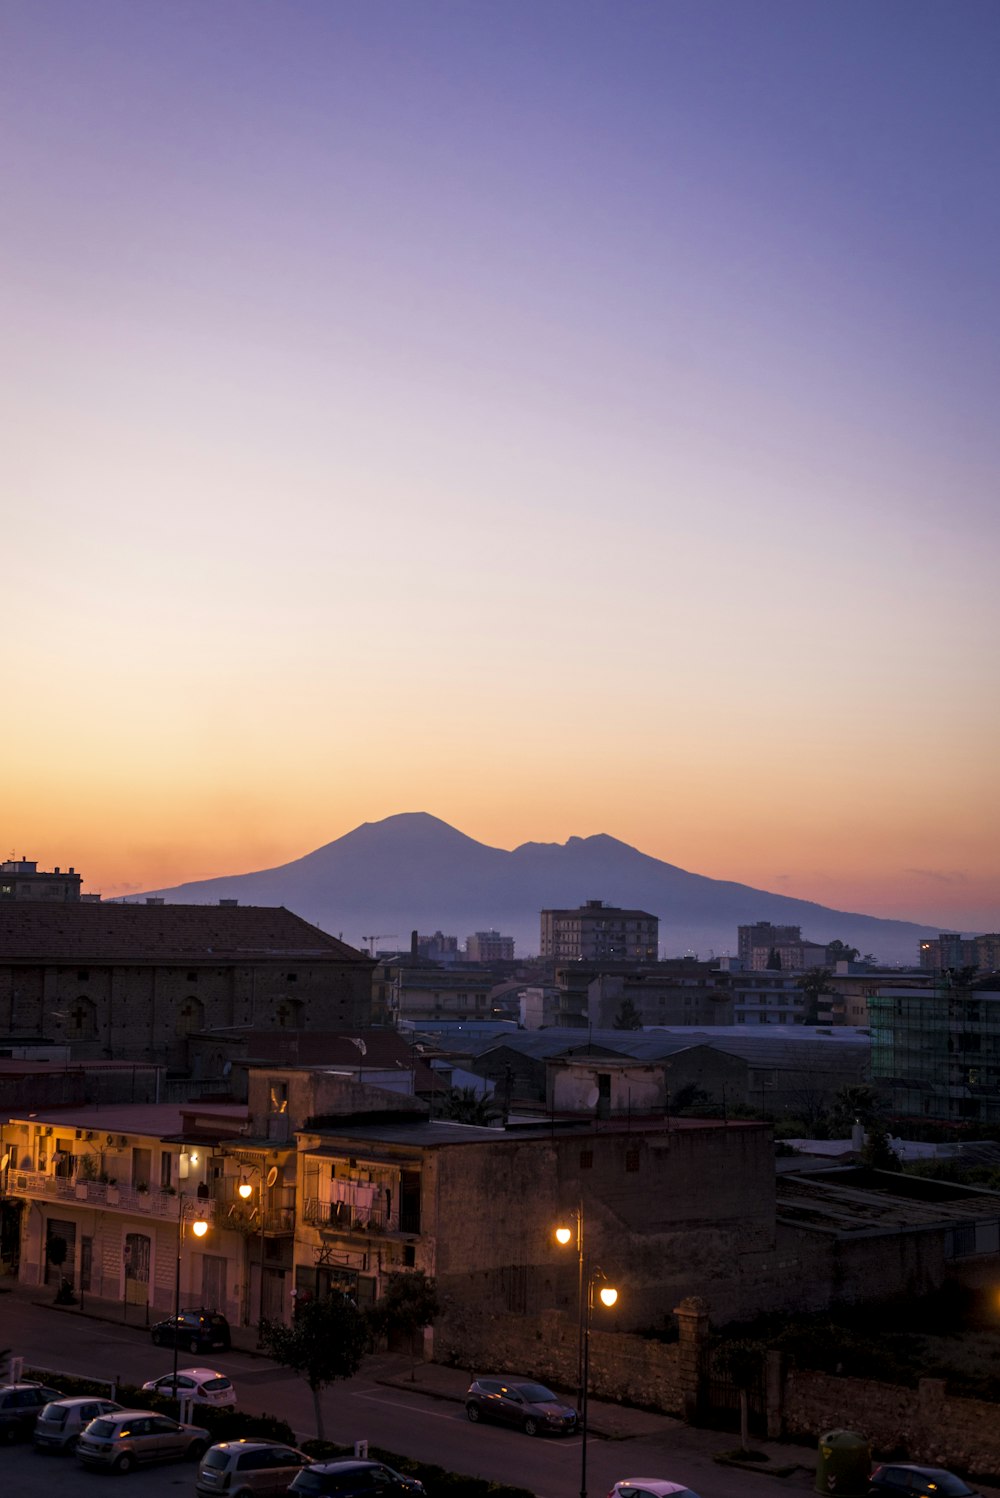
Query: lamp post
(199, 1228)
(565, 1236)
(245, 1190)
(607, 1296)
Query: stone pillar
(692, 1320)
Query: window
(166, 1169)
(291, 977)
(586, 1159)
(191, 978)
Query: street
(409, 1423)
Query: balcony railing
(347, 1217)
(244, 1217)
(102, 1194)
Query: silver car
(242, 1468)
(120, 1442)
(59, 1425)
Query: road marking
(395, 1404)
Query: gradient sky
(559, 417)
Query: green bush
(439, 1482)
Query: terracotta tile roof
(101, 934)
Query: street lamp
(607, 1295)
(199, 1227)
(564, 1236)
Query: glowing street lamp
(199, 1227)
(608, 1296)
(564, 1236)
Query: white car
(650, 1487)
(200, 1385)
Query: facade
(132, 982)
(950, 950)
(412, 992)
(768, 996)
(761, 938)
(936, 1053)
(489, 946)
(687, 996)
(597, 932)
(20, 880)
(119, 1185)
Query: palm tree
(466, 1105)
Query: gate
(719, 1391)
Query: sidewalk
(139, 1318)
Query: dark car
(20, 1406)
(353, 1479)
(531, 1407)
(198, 1330)
(918, 1482)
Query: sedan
(650, 1487)
(918, 1482)
(198, 1330)
(200, 1385)
(531, 1407)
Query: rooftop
(84, 933)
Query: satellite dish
(272, 1175)
(593, 1097)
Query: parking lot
(28, 1474)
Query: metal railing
(346, 1216)
(103, 1194)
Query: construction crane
(379, 936)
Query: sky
(558, 417)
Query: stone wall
(926, 1424)
(622, 1367)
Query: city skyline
(560, 419)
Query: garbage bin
(845, 1464)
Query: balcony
(244, 1217)
(103, 1195)
(345, 1217)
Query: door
(58, 1233)
(276, 1302)
(137, 1254)
(213, 1282)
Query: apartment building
(20, 879)
(595, 931)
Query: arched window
(81, 1019)
(190, 1016)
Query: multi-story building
(953, 951)
(21, 880)
(119, 1185)
(681, 992)
(597, 932)
(489, 946)
(936, 1053)
(133, 981)
(754, 943)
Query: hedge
(223, 1425)
(439, 1482)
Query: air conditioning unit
(122, 1140)
(89, 1134)
(79, 1133)
(47, 1130)
(109, 1139)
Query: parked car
(197, 1329)
(650, 1487)
(918, 1482)
(120, 1442)
(59, 1425)
(201, 1385)
(531, 1407)
(242, 1468)
(347, 1479)
(20, 1406)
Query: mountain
(414, 871)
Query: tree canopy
(628, 1016)
(326, 1341)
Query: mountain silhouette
(413, 871)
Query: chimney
(413, 943)
(229, 903)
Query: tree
(628, 1016)
(326, 1341)
(839, 951)
(409, 1304)
(742, 1359)
(857, 1104)
(813, 985)
(774, 960)
(877, 1152)
(466, 1105)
